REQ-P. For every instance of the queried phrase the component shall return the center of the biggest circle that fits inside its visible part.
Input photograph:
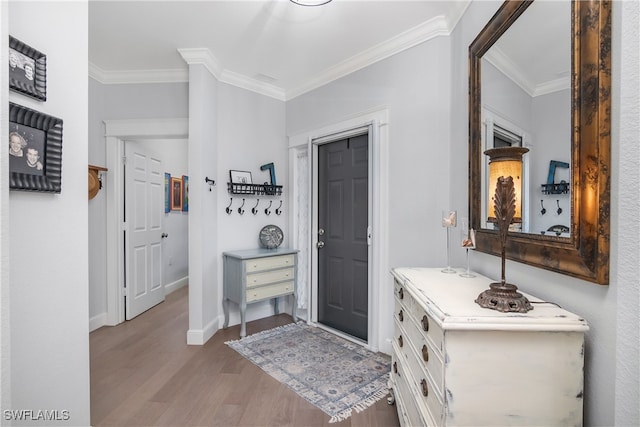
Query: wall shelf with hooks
(254, 189)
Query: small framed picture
(176, 194)
(27, 70)
(35, 150)
(240, 177)
(167, 192)
(185, 193)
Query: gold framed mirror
(584, 253)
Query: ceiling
(272, 47)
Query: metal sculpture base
(504, 298)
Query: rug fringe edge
(268, 331)
(360, 406)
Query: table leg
(294, 306)
(276, 309)
(243, 326)
(225, 308)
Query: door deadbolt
(320, 231)
(320, 245)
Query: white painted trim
(137, 76)
(174, 286)
(438, 26)
(116, 131)
(201, 336)
(421, 33)
(97, 321)
(379, 175)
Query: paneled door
(144, 207)
(343, 272)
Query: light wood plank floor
(144, 374)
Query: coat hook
(254, 210)
(229, 207)
(267, 211)
(240, 210)
(543, 211)
(278, 210)
(211, 182)
(559, 208)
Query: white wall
(119, 102)
(251, 133)
(414, 87)
(611, 355)
(5, 330)
(204, 306)
(48, 238)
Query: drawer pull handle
(401, 293)
(425, 389)
(401, 316)
(425, 353)
(425, 323)
(395, 367)
(400, 340)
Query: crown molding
(254, 85)
(438, 26)
(506, 66)
(428, 30)
(137, 76)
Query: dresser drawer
(408, 411)
(268, 263)
(426, 357)
(271, 291)
(428, 326)
(257, 279)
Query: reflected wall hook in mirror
(254, 210)
(559, 208)
(211, 182)
(543, 211)
(240, 210)
(278, 210)
(228, 210)
(267, 211)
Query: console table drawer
(267, 277)
(259, 264)
(271, 291)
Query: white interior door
(144, 205)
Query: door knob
(320, 245)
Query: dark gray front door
(343, 183)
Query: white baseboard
(97, 321)
(201, 336)
(172, 287)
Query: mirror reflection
(526, 101)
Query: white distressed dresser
(455, 363)
(256, 275)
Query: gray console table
(256, 275)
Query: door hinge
(369, 235)
(124, 160)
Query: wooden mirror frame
(585, 254)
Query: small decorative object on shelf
(468, 241)
(449, 220)
(553, 187)
(271, 236)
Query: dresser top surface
(451, 300)
(259, 253)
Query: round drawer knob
(425, 323)
(425, 353)
(401, 316)
(425, 389)
(400, 340)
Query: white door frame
(116, 132)
(376, 122)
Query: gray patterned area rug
(330, 372)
